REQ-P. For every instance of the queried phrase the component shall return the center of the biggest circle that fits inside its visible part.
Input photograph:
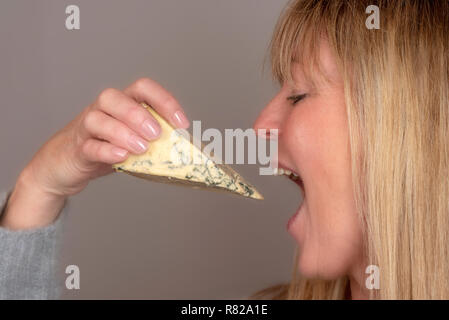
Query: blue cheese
(172, 158)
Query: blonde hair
(397, 99)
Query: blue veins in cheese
(172, 158)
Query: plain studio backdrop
(129, 237)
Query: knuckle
(106, 96)
(142, 83)
(91, 120)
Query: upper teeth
(280, 171)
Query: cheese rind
(172, 158)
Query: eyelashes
(296, 98)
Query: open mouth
(295, 177)
(292, 176)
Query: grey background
(132, 238)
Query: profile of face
(313, 142)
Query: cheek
(327, 229)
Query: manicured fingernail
(151, 129)
(119, 152)
(138, 144)
(181, 119)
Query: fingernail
(151, 129)
(138, 144)
(119, 152)
(181, 119)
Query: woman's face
(314, 143)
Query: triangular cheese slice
(172, 158)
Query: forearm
(30, 206)
(28, 261)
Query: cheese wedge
(172, 158)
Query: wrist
(30, 205)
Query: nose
(271, 118)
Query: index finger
(151, 92)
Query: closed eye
(296, 98)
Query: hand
(105, 133)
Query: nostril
(266, 127)
(268, 134)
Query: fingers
(102, 126)
(149, 91)
(101, 151)
(116, 124)
(128, 111)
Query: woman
(363, 118)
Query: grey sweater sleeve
(28, 261)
